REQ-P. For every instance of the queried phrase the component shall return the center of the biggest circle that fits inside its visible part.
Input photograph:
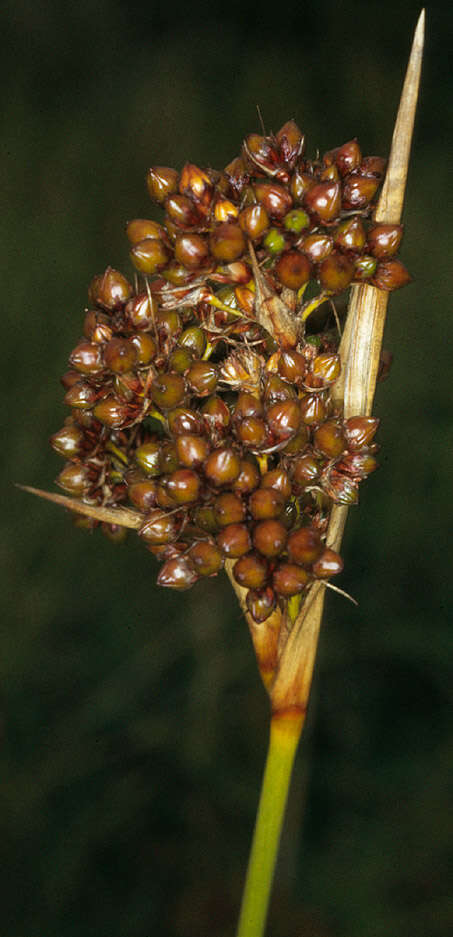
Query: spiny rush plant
(217, 408)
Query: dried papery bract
(239, 431)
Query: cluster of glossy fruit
(190, 407)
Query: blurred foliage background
(134, 722)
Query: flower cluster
(201, 397)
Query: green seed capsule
(275, 241)
(296, 221)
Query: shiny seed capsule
(206, 558)
(234, 540)
(251, 571)
(289, 579)
(222, 467)
(260, 603)
(329, 439)
(327, 565)
(269, 538)
(304, 546)
(177, 573)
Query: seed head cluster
(200, 395)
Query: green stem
(285, 732)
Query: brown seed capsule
(341, 488)
(229, 509)
(141, 228)
(261, 151)
(183, 486)
(206, 558)
(301, 183)
(168, 457)
(327, 368)
(293, 269)
(304, 546)
(306, 470)
(68, 441)
(192, 450)
(269, 537)
(222, 467)
(329, 439)
(234, 540)
(147, 457)
(114, 532)
(141, 310)
(177, 573)
(313, 409)
(289, 579)
(247, 405)
(73, 478)
(357, 464)
(327, 565)
(254, 221)
(350, 235)
(176, 274)
(216, 414)
(224, 210)
(145, 347)
(360, 431)
(251, 571)
(194, 339)
(168, 390)
(149, 256)
(297, 443)
(279, 480)
(248, 478)
(181, 420)
(277, 389)
(317, 247)
(358, 190)
(162, 182)
(291, 142)
(142, 494)
(182, 211)
(347, 157)
(284, 418)
(82, 396)
(202, 378)
(266, 503)
(120, 355)
(292, 366)
(374, 165)
(391, 275)
(168, 324)
(69, 378)
(323, 201)
(274, 197)
(110, 290)
(191, 250)
(260, 603)
(336, 272)
(87, 358)
(111, 412)
(227, 241)
(384, 240)
(252, 432)
(196, 183)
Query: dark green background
(134, 722)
